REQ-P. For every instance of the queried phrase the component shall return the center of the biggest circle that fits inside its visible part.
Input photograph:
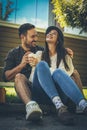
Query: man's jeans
(47, 86)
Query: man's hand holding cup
(32, 58)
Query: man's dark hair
(24, 28)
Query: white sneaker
(33, 111)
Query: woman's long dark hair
(61, 51)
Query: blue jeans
(47, 86)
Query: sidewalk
(16, 121)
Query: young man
(17, 68)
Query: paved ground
(16, 121)
(12, 117)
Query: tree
(4, 14)
(71, 13)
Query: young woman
(52, 82)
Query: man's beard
(30, 46)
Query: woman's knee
(57, 73)
(42, 64)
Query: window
(32, 11)
(75, 31)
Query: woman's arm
(69, 63)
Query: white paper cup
(32, 55)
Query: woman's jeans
(47, 86)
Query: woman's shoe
(65, 116)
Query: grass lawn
(85, 92)
(12, 97)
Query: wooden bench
(6, 84)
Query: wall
(79, 46)
(9, 39)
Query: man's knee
(19, 77)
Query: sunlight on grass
(85, 92)
(10, 91)
(11, 96)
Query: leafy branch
(4, 15)
(71, 13)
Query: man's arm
(70, 52)
(10, 74)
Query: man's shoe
(33, 111)
(65, 117)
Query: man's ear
(21, 36)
